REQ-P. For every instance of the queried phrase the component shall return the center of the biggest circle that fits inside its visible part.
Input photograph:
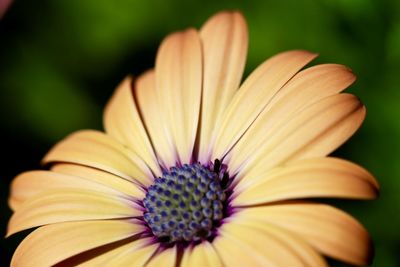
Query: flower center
(186, 203)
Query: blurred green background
(61, 60)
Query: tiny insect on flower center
(187, 203)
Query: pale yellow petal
(99, 256)
(201, 255)
(294, 242)
(224, 38)
(137, 257)
(105, 178)
(255, 93)
(51, 244)
(314, 132)
(62, 205)
(314, 164)
(178, 82)
(135, 253)
(97, 150)
(165, 258)
(327, 229)
(151, 112)
(29, 184)
(320, 177)
(234, 254)
(241, 245)
(305, 88)
(122, 121)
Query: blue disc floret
(186, 203)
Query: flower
(193, 172)
(4, 5)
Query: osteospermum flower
(196, 170)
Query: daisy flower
(196, 169)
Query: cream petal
(225, 39)
(255, 93)
(138, 257)
(305, 88)
(327, 229)
(100, 177)
(314, 132)
(122, 121)
(178, 82)
(295, 243)
(98, 256)
(151, 112)
(135, 253)
(29, 184)
(320, 177)
(314, 164)
(201, 255)
(62, 205)
(97, 150)
(54, 243)
(234, 254)
(165, 258)
(241, 244)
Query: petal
(243, 243)
(166, 258)
(234, 254)
(224, 38)
(51, 244)
(122, 121)
(327, 229)
(135, 253)
(255, 93)
(178, 82)
(307, 87)
(108, 179)
(319, 177)
(151, 112)
(314, 132)
(29, 184)
(62, 205)
(295, 243)
(138, 257)
(201, 255)
(314, 164)
(97, 150)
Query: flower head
(195, 169)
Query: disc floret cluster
(186, 203)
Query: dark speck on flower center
(186, 203)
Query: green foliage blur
(61, 60)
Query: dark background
(61, 60)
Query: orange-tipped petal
(319, 177)
(29, 184)
(62, 205)
(329, 230)
(304, 89)
(255, 93)
(224, 38)
(178, 81)
(122, 121)
(54, 243)
(313, 132)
